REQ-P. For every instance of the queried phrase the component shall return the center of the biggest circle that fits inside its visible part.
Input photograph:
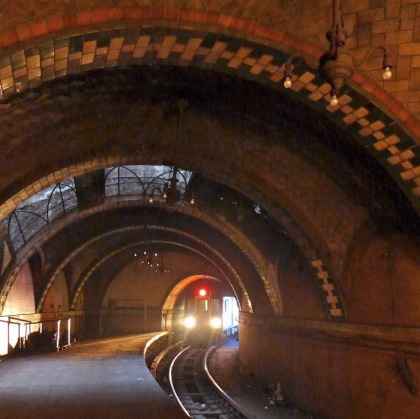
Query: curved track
(193, 389)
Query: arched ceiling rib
(368, 125)
(216, 258)
(254, 53)
(160, 45)
(169, 246)
(278, 116)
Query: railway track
(194, 389)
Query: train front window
(202, 304)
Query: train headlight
(189, 322)
(216, 322)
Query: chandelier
(151, 258)
(154, 260)
(336, 66)
(170, 192)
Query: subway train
(209, 316)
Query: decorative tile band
(374, 130)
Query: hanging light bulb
(387, 74)
(287, 82)
(334, 100)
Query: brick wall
(21, 297)
(138, 286)
(382, 284)
(57, 297)
(394, 23)
(329, 376)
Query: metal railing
(143, 180)
(38, 211)
(18, 334)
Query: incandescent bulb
(387, 74)
(334, 100)
(287, 82)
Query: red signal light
(202, 292)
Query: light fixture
(170, 191)
(288, 82)
(152, 259)
(334, 100)
(386, 62)
(336, 66)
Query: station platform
(247, 392)
(96, 379)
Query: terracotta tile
(364, 132)
(392, 139)
(198, 16)
(24, 32)
(70, 21)
(127, 48)
(315, 96)
(158, 12)
(115, 13)
(377, 125)
(225, 20)
(39, 28)
(393, 160)
(380, 145)
(171, 12)
(311, 87)
(346, 109)
(251, 62)
(407, 175)
(363, 122)
(393, 150)
(407, 165)
(116, 43)
(84, 17)
(100, 14)
(361, 112)
(34, 73)
(407, 154)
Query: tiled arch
(230, 44)
(189, 236)
(331, 297)
(99, 263)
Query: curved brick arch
(90, 272)
(397, 152)
(172, 296)
(332, 300)
(89, 243)
(235, 235)
(177, 289)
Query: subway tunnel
(149, 145)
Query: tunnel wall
(327, 374)
(57, 298)
(21, 297)
(137, 293)
(368, 367)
